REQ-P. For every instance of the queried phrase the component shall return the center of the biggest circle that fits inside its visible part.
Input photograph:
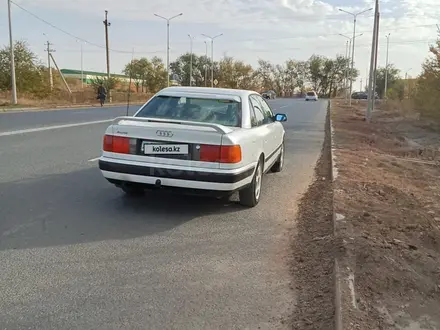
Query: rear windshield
(222, 112)
(310, 94)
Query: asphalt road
(11, 121)
(75, 253)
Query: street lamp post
(168, 43)
(212, 55)
(386, 68)
(206, 64)
(11, 50)
(349, 41)
(355, 15)
(191, 38)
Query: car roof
(206, 90)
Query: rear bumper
(118, 172)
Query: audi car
(196, 139)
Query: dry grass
(62, 98)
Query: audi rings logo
(164, 133)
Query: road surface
(75, 253)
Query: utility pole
(106, 25)
(373, 64)
(61, 74)
(360, 86)
(191, 38)
(168, 42)
(206, 65)
(386, 68)
(212, 55)
(355, 15)
(107, 52)
(49, 51)
(11, 46)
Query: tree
(28, 70)
(235, 74)
(157, 76)
(265, 75)
(393, 79)
(181, 68)
(147, 74)
(107, 83)
(427, 94)
(327, 75)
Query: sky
(273, 30)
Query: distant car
(311, 96)
(269, 95)
(205, 140)
(363, 96)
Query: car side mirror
(280, 117)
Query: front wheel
(250, 196)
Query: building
(87, 76)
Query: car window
(222, 112)
(254, 121)
(264, 109)
(259, 113)
(310, 94)
(268, 114)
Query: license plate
(165, 149)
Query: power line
(333, 46)
(64, 31)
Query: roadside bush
(427, 92)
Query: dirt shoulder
(387, 200)
(312, 259)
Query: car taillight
(220, 154)
(117, 144)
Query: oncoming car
(311, 96)
(269, 95)
(202, 140)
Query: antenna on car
(129, 81)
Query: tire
(132, 190)
(250, 196)
(279, 164)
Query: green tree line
(324, 75)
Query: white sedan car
(311, 96)
(207, 140)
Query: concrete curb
(337, 273)
(66, 107)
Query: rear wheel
(132, 190)
(250, 196)
(279, 164)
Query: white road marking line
(94, 159)
(48, 128)
(284, 106)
